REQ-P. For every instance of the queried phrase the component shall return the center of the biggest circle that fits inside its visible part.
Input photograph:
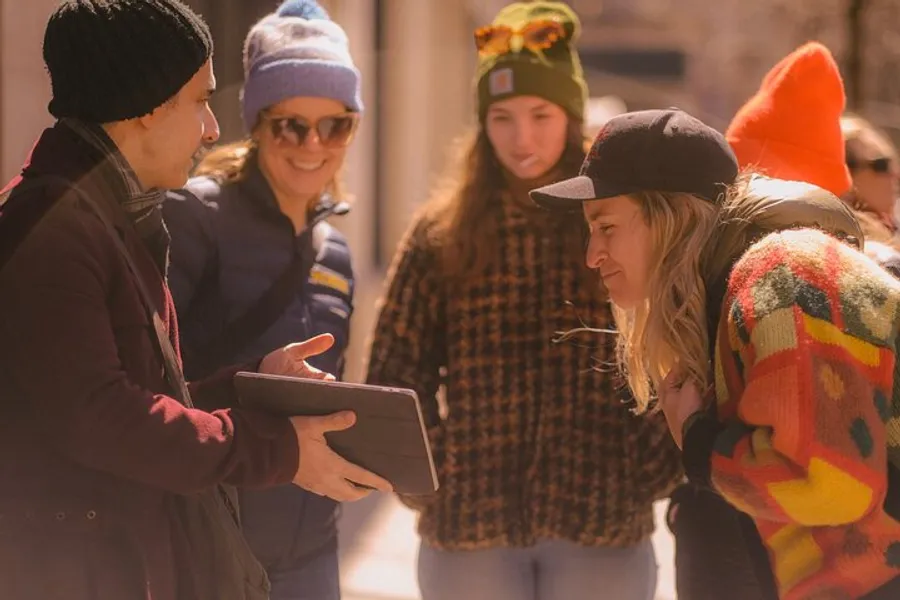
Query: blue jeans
(550, 570)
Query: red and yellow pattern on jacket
(805, 385)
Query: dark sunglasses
(335, 131)
(877, 165)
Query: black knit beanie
(111, 60)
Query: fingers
(311, 347)
(361, 476)
(343, 491)
(345, 470)
(325, 472)
(310, 372)
(335, 422)
(343, 481)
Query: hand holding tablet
(321, 470)
(388, 437)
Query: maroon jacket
(92, 449)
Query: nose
(524, 134)
(210, 128)
(596, 253)
(313, 141)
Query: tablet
(388, 438)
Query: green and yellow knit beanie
(529, 50)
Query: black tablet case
(388, 438)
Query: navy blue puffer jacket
(229, 244)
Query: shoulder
(333, 251)
(198, 204)
(424, 234)
(810, 255)
(203, 195)
(326, 233)
(66, 217)
(822, 276)
(418, 255)
(198, 193)
(67, 234)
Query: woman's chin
(623, 301)
(533, 170)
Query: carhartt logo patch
(501, 82)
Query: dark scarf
(144, 209)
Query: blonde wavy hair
(669, 328)
(694, 243)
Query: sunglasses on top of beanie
(539, 28)
(530, 49)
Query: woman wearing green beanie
(542, 495)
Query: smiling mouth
(307, 165)
(610, 274)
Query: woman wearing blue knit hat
(254, 265)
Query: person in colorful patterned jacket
(256, 265)
(541, 496)
(769, 345)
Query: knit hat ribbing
(790, 129)
(555, 75)
(297, 51)
(111, 60)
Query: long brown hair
(463, 208)
(230, 163)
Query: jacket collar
(259, 191)
(64, 152)
(770, 205)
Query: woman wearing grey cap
(254, 263)
(747, 311)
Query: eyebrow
(595, 212)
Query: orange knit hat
(791, 128)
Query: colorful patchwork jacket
(808, 411)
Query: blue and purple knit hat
(297, 51)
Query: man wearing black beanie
(115, 475)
